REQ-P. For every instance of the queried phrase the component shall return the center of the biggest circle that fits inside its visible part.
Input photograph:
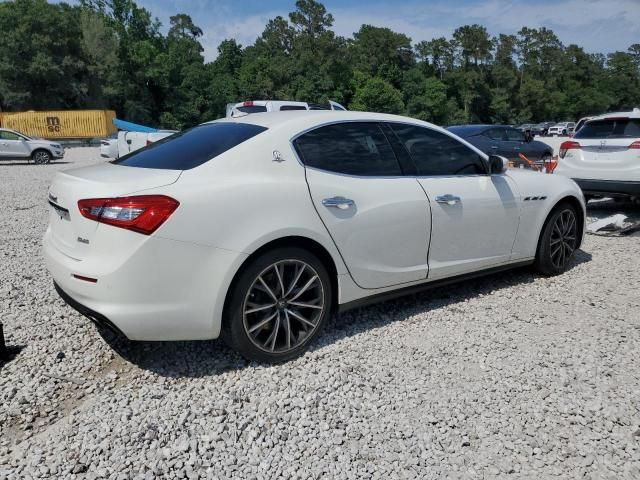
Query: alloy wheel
(563, 238)
(283, 306)
(41, 157)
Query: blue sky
(597, 25)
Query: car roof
(635, 113)
(470, 130)
(304, 119)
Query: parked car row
(548, 128)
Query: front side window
(435, 153)
(9, 136)
(191, 148)
(352, 148)
(610, 128)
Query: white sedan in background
(258, 228)
(17, 146)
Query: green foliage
(112, 54)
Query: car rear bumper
(608, 187)
(165, 290)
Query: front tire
(558, 240)
(41, 157)
(277, 305)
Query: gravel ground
(509, 376)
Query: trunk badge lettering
(83, 240)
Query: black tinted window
(435, 153)
(252, 109)
(352, 148)
(193, 147)
(514, 135)
(495, 134)
(610, 128)
(292, 107)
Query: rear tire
(41, 157)
(558, 240)
(277, 305)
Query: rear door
(475, 215)
(378, 218)
(609, 150)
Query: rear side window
(610, 128)
(514, 135)
(435, 153)
(252, 109)
(353, 148)
(190, 148)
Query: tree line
(113, 54)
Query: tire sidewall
(543, 257)
(233, 331)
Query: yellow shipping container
(61, 124)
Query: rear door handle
(338, 202)
(448, 199)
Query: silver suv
(17, 146)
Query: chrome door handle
(448, 199)
(338, 202)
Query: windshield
(610, 128)
(191, 148)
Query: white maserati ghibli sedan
(256, 229)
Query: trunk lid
(72, 233)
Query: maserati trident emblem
(277, 156)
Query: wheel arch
(41, 149)
(306, 243)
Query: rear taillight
(142, 213)
(149, 142)
(248, 103)
(566, 146)
(635, 145)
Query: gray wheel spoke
(305, 288)
(287, 328)
(260, 308)
(306, 305)
(267, 289)
(275, 267)
(295, 280)
(274, 335)
(300, 317)
(262, 323)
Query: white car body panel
(24, 146)
(172, 285)
(489, 207)
(128, 142)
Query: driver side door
(13, 145)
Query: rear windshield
(252, 109)
(190, 148)
(610, 128)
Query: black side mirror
(498, 164)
